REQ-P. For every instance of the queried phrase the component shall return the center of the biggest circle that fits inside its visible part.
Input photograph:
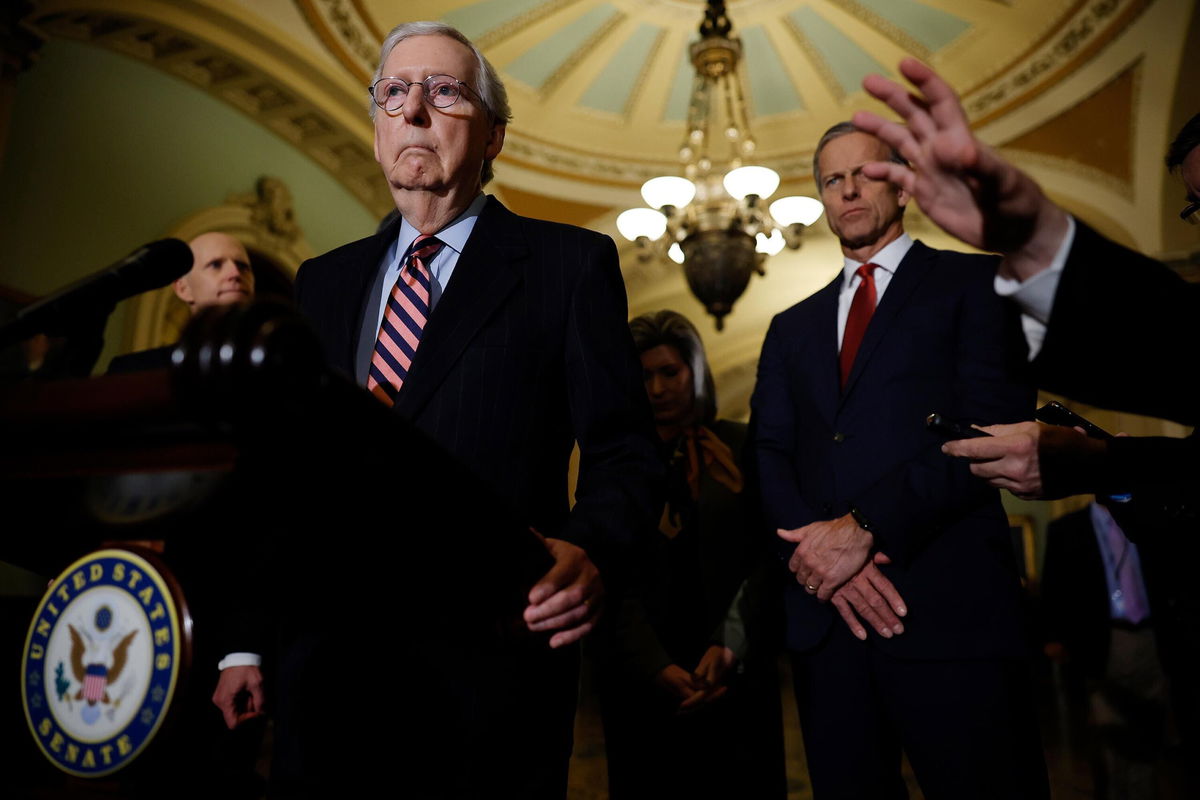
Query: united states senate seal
(102, 661)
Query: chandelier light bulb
(796, 209)
(668, 190)
(637, 222)
(675, 253)
(769, 244)
(745, 181)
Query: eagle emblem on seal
(94, 667)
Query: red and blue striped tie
(403, 320)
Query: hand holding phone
(952, 428)
(1055, 413)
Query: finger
(1024, 489)
(843, 607)
(982, 449)
(943, 101)
(825, 590)
(796, 564)
(890, 131)
(567, 619)
(914, 111)
(582, 588)
(1000, 468)
(228, 712)
(884, 90)
(868, 613)
(561, 575)
(564, 638)
(876, 609)
(796, 535)
(257, 699)
(881, 558)
(887, 590)
(895, 174)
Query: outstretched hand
(961, 184)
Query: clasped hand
(833, 561)
(704, 685)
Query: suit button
(839, 437)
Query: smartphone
(952, 428)
(1055, 413)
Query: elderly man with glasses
(504, 339)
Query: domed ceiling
(1084, 94)
(600, 87)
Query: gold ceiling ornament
(713, 221)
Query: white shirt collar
(888, 258)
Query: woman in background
(689, 692)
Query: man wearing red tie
(872, 518)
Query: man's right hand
(1033, 460)
(961, 184)
(875, 599)
(239, 694)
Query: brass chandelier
(715, 224)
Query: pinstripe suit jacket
(527, 351)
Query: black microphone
(149, 267)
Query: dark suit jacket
(1121, 335)
(527, 351)
(141, 360)
(940, 340)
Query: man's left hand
(567, 599)
(828, 553)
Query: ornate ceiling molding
(543, 138)
(1092, 27)
(164, 36)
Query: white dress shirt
(887, 260)
(1035, 297)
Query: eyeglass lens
(441, 91)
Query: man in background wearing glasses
(504, 339)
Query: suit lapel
(485, 275)
(363, 270)
(909, 274)
(826, 381)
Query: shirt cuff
(1035, 297)
(240, 660)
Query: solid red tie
(861, 309)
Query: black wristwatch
(861, 519)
